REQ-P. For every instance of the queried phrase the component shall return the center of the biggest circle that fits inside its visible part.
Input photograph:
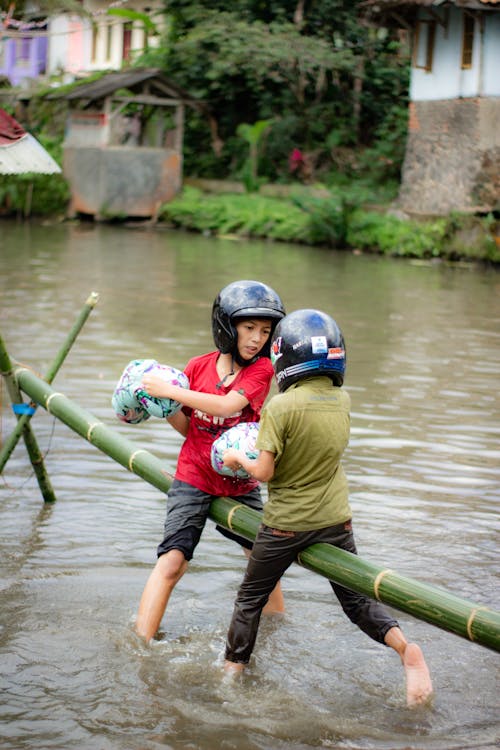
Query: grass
(331, 219)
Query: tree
(314, 68)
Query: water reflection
(423, 363)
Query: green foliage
(473, 238)
(35, 194)
(331, 221)
(328, 218)
(384, 158)
(136, 17)
(393, 236)
(249, 215)
(260, 61)
(21, 9)
(32, 195)
(247, 70)
(253, 135)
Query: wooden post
(34, 453)
(471, 621)
(23, 419)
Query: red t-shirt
(193, 465)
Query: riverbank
(337, 218)
(353, 216)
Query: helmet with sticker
(239, 300)
(307, 342)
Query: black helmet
(305, 343)
(243, 299)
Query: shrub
(393, 236)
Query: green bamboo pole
(429, 603)
(13, 438)
(135, 459)
(34, 452)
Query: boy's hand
(232, 459)
(156, 386)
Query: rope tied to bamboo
(470, 621)
(53, 395)
(90, 430)
(231, 514)
(133, 456)
(378, 580)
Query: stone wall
(452, 160)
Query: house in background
(101, 41)
(452, 159)
(23, 52)
(70, 45)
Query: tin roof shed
(123, 143)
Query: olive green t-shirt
(307, 428)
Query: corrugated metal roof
(26, 155)
(20, 152)
(134, 80)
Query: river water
(423, 343)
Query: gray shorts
(187, 513)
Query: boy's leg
(253, 499)
(168, 570)
(418, 679)
(374, 620)
(187, 512)
(271, 555)
(276, 602)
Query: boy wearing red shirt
(226, 387)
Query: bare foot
(418, 679)
(233, 667)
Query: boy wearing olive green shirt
(303, 433)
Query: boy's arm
(210, 403)
(260, 468)
(179, 422)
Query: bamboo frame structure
(23, 419)
(34, 452)
(434, 605)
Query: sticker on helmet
(336, 353)
(275, 350)
(319, 345)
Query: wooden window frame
(430, 36)
(127, 41)
(468, 34)
(109, 42)
(95, 39)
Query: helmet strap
(226, 376)
(245, 362)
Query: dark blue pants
(272, 553)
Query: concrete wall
(452, 159)
(121, 181)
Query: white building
(101, 40)
(452, 159)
